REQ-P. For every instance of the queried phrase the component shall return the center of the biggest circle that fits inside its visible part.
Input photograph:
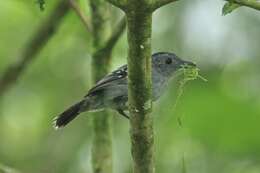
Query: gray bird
(111, 90)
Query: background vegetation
(214, 128)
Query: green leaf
(229, 7)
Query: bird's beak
(188, 64)
(183, 65)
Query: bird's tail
(67, 116)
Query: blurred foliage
(219, 129)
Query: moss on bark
(139, 88)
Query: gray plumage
(111, 90)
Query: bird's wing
(117, 77)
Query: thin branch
(102, 132)
(103, 44)
(159, 3)
(248, 3)
(45, 31)
(81, 15)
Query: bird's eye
(168, 61)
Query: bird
(112, 91)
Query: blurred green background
(220, 119)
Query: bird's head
(167, 63)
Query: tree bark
(139, 89)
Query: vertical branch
(102, 144)
(139, 89)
